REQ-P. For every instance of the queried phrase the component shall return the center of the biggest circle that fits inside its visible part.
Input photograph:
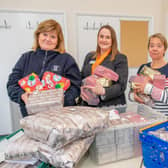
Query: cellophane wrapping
(60, 127)
(68, 156)
(107, 73)
(44, 100)
(23, 148)
(15, 165)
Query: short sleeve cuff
(102, 97)
(131, 96)
(148, 88)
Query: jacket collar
(49, 52)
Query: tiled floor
(130, 163)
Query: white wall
(152, 8)
(165, 5)
(155, 8)
(165, 20)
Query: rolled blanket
(60, 127)
(159, 81)
(147, 71)
(107, 73)
(68, 156)
(89, 96)
(45, 100)
(135, 79)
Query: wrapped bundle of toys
(152, 76)
(103, 77)
(25, 148)
(60, 127)
(45, 100)
(88, 96)
(44, 94)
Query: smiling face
(104, 40)
(48, 40)
(156, 48)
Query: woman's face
(104, 40)
(48, 40)
(156, 49)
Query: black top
(163, 70)
(114, 95)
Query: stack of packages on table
(103, 76)
(59, 137)
(154, 77)
(121, 139)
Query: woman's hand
(83, 95)
(140, 87)
(25, 96)
(98, 89)
(138, 99)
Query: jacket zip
(43, 65)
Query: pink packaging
(102, 71)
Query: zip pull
(44, 60)
(43, 64)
